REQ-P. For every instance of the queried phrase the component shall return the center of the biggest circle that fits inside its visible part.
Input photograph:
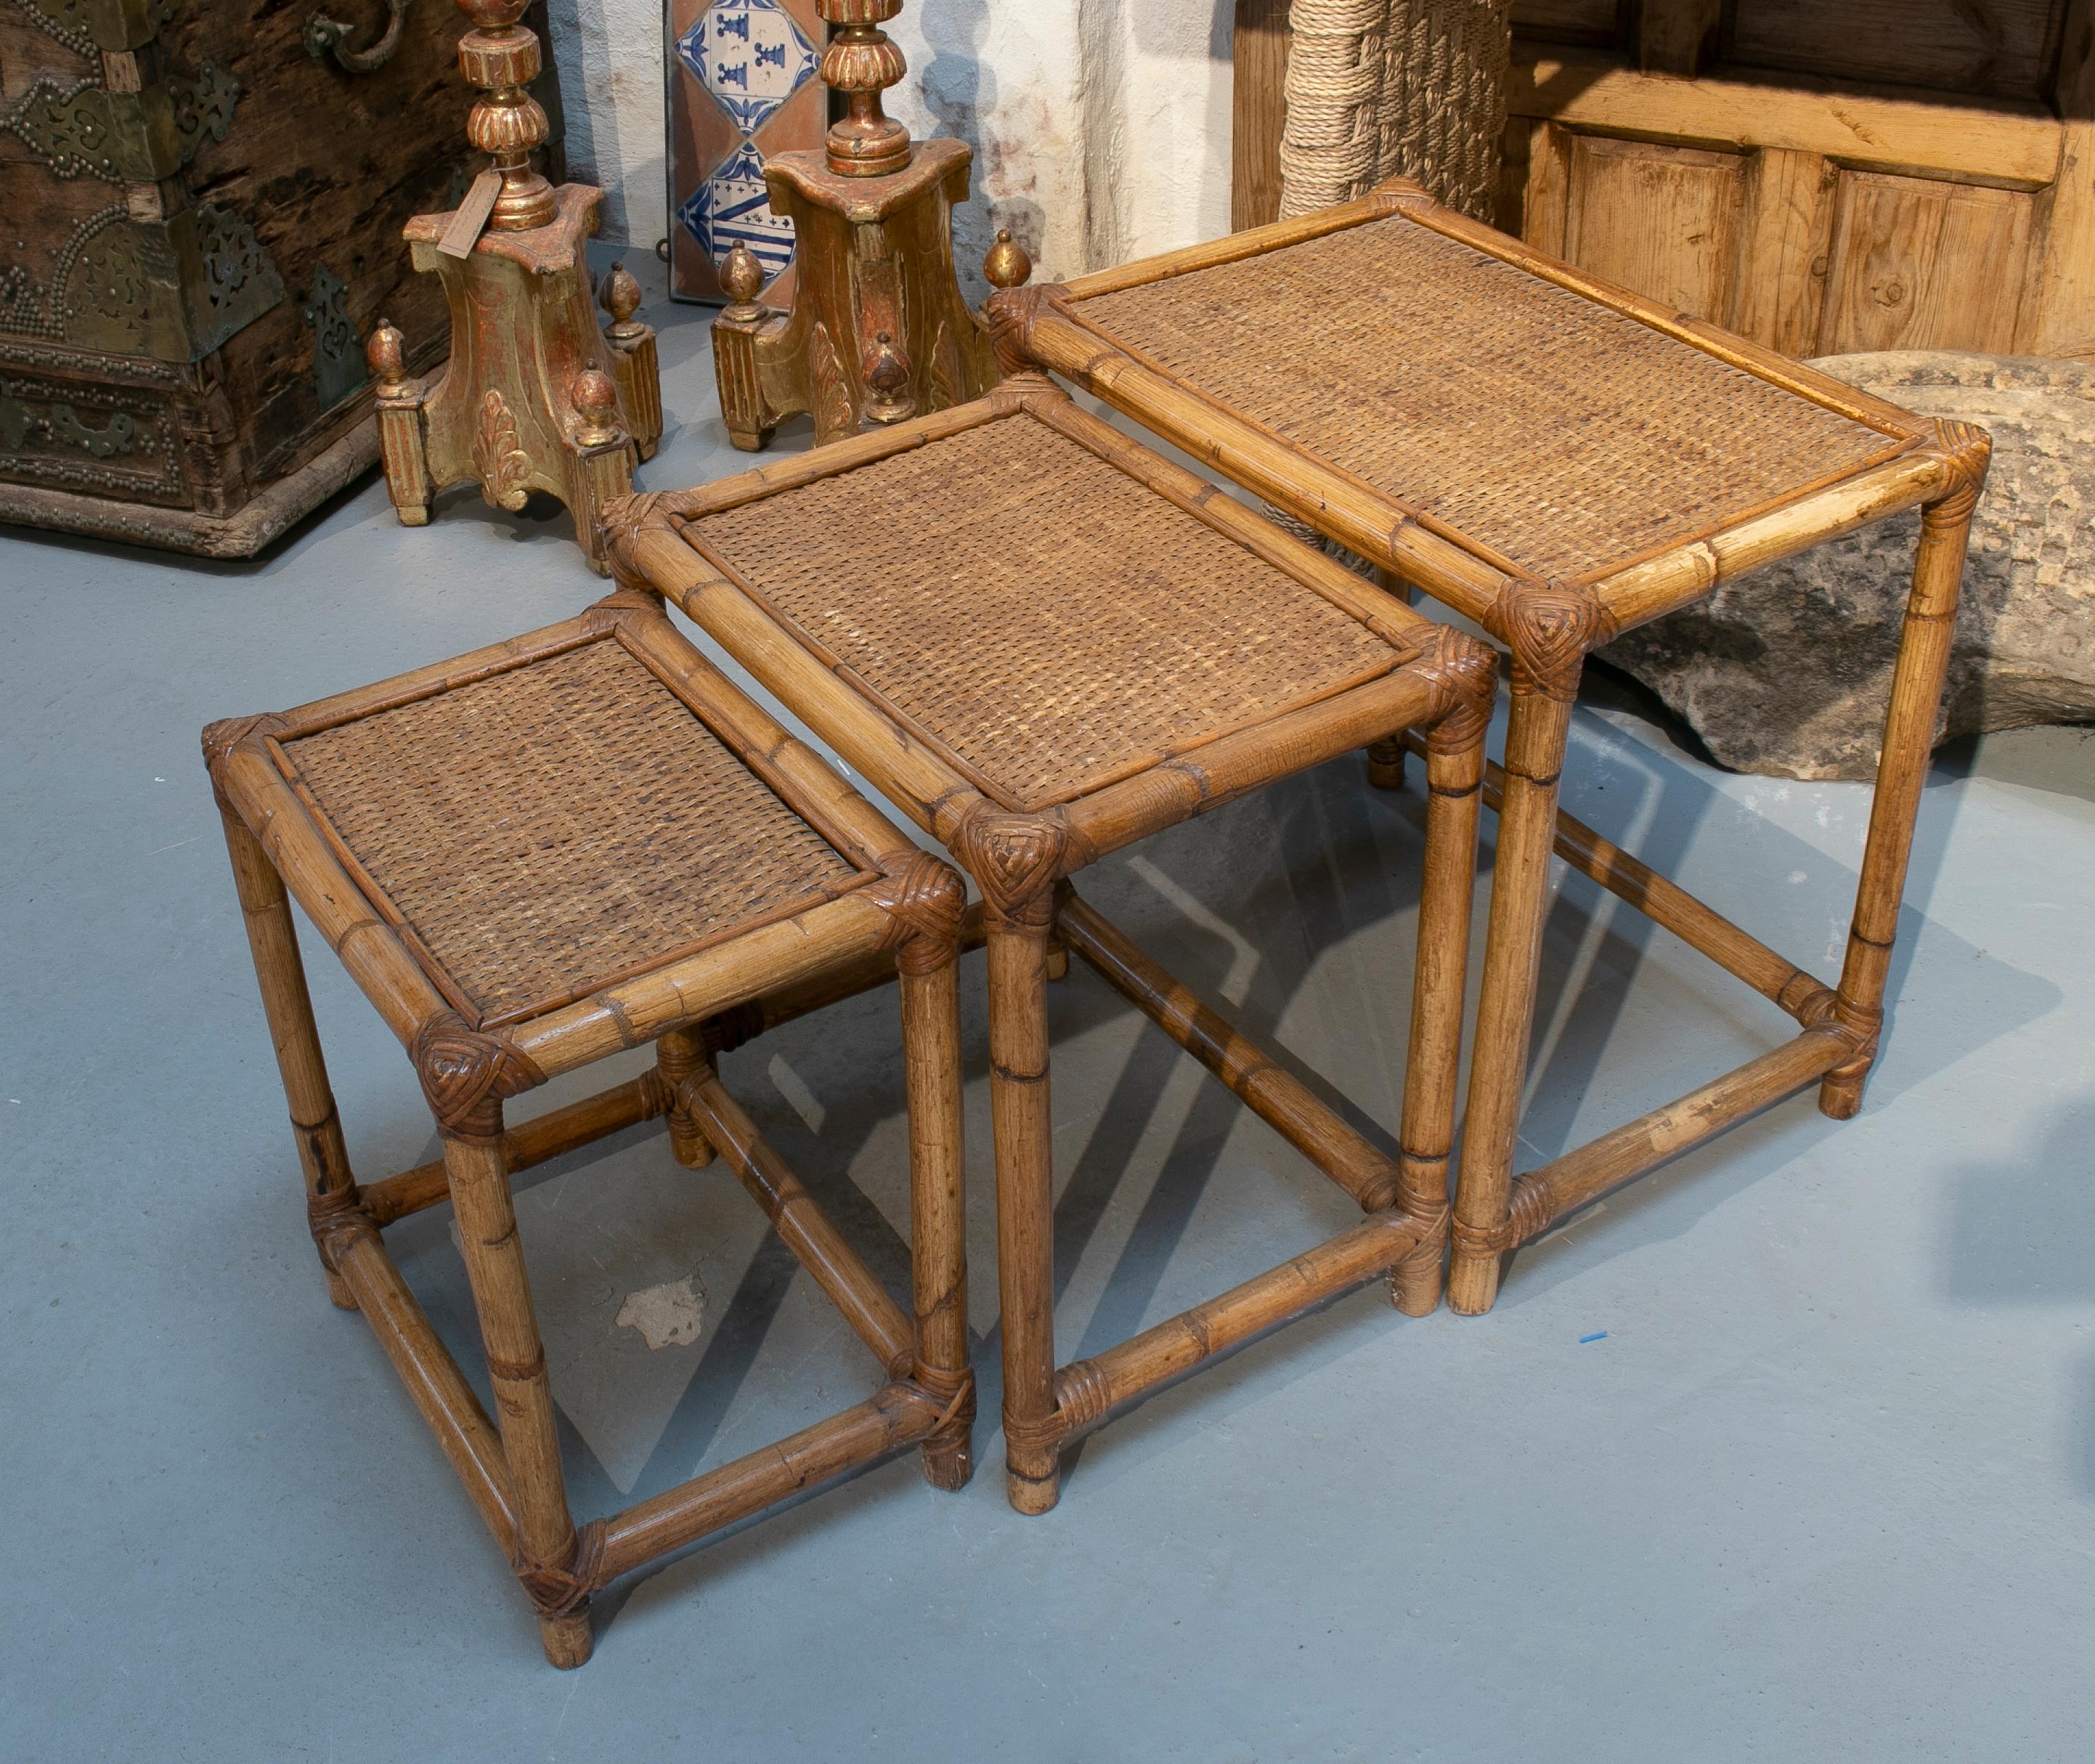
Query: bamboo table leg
(547, 1547)
(930, 984)
(678, 1055)
(1025, 1194)
(1454, 781)
(1917, 683)
(1549, 628)
(331, 1190)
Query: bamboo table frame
(1439, 684)
(899, 917)
(1550, 625)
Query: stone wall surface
(1787, 670)
(1100, 128)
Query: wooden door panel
(1965, 220)
(1785, 249)
(1661, 220)
(1916, 264)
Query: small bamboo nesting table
(1559, 460)
(548, 851)
(1043, 642)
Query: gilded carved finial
(595, 399)
(861, 62)
(1007, 265)
(500, 57)
(742, 276)
(385, 354)
(621, 296)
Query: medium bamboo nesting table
(1043, 643)
(1559, 460)
(539, 855)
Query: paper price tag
(471, 216)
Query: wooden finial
(595, 400)
(384, 353)
(742, 276)
(500, 57)
(621, 295)
(1007, 265)
(861, 62)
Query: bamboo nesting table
(1558, 460)
(1043, 642)
(580, 841)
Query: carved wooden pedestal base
(534, 397)
(878, 332)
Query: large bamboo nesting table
(1559, 460)
(532, 857)
(1043, 643)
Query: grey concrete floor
(1822, 1487)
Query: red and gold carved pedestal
(877, 331)
(535, 396)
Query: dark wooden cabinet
(200, 216)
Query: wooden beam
(2058, 309)
(1258, 111)
(1547, 208)
(1678, 36)
(1579, 1177)
(2013, 144)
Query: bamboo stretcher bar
(433, 1381)
(1086, 1391)
(561, 1130)
(1665, 903)
(802, 1226)
(1579, 1178)
(536, 1141)
(897, 1416)
(1276, 1096)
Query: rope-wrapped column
(1379, 89)
(1331, 145)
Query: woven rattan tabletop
(1045, 620)
(541, 832)
(1549, 433)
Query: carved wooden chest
(200, 210)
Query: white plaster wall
(609, 53)
(1100, 128)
